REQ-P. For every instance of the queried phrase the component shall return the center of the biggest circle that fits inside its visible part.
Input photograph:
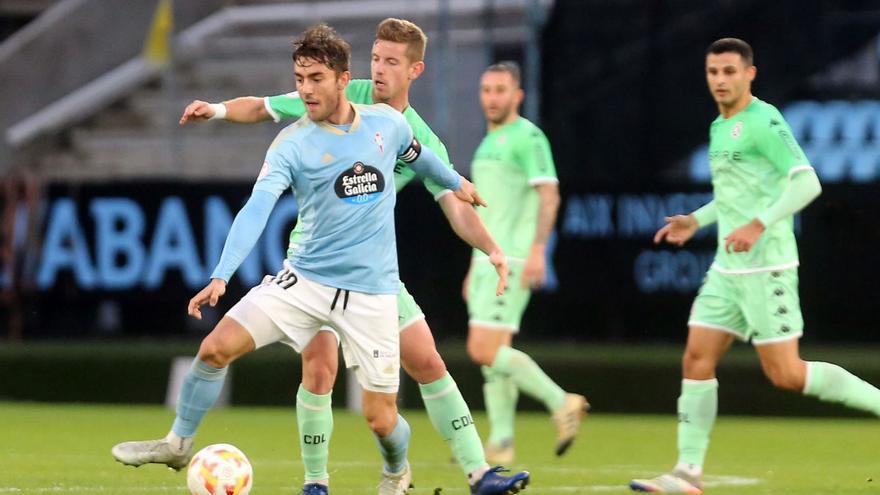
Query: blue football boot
(315, 489)
(493, 483)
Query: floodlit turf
(61, 449)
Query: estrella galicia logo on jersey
(360, 184)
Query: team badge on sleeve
(360, 184)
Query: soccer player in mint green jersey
(397, 60)
(760, 179)
(514, 165)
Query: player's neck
(509, 120)
(739, 106)
(344, 113)
(399, 102)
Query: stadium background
(113, 216)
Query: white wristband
(219, 111)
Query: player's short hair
(403, 31)
(508, 66)
(734, 45)
(323, 44)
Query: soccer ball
(219, 469)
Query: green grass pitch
(60, 449)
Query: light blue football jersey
(343, 181)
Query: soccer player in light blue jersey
(397, 61)
(339, 161)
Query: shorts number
(285, 279)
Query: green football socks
(451, 418)
(697, 409)
(528, 377)
(831, 383)
(314, 417)
(500, 395)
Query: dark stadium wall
(635, 102)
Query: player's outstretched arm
(243, 110)
(534, 272)
(678, 230)
(426, 163)
(467, 224)
(243, 235)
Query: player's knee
(426, 367)
(214, 352)
(318, 377)
(697, 366)
(480, 353)
(382, 422)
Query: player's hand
(499, 261)
(465, 284)
(210, 295)
(534, 272)
(468, 193)
(678, 230)
(743, 238)
(196, 111)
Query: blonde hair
(403, 31)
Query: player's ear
(416, 69)
(752, 72)
(520, 95)
(343, 79)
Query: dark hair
(323, 44)
(735, 45)
(508, 66)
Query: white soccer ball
(219, 469)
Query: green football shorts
(485, 309)
(408, 311)
(762, 307)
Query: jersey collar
(354, 123)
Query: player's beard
(503, 114)
(330, 107)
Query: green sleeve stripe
(269, 109)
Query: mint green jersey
(509, 162)
(290, 106)
(752, 155)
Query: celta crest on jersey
(360, 184)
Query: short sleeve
(536, 158)
(276, 176)
(285, 107)
(777, 144)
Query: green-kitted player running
(514, 166)
(760, 179)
